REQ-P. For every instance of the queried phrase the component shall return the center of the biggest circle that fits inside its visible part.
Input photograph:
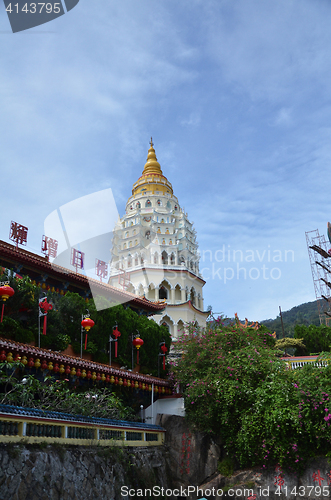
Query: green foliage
(289, 342)
(63, 325)
(53, 394)
(316, 338)
(304, 314)
(235, 386)
(226, 467)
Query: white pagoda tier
(155, 251)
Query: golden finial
(151, 143)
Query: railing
(295, 362)
(33, 426)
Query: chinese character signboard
(49, 246)
(77, 259)
(18, 233)
(101, 269)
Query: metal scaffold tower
(321, 271)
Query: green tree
(316, 339)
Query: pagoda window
(134, 232)
(170, 242)
(163, 242)
(156, 258)
(168, 204)
(142, 260)
(131, 207)
(130, 244)
(172, 259)
(163, 293)
(159, 202)
(176, 208)
(159, 230)
(148, 203)
(162, 221)
(131, 223)
(148, 235)
(127, 234)
(136, 260)
(138, 204)
(167, 231)
(124, 246)
(129, 261)
(164, 257)
(136, 242)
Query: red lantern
(67, 370)
(164, 350)
(89, 374)
(125, 382)
(56, 368)
(6, 291)
(98, 377)
(44, 365)
(140, 385)
(116, 380)
(116, 334)
(107, 378)
(3, 356)
(87, 324)
(138, 342)
(45, 307)
(31, 363)
(78, 373)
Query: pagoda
(155, 251)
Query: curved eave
(189, 303)
(56, 357)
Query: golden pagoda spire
(152, 166)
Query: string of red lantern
(6, 291)
(87, 324)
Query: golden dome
(152, 179)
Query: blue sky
(237, 97)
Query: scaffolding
(321, 271)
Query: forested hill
(305, 314)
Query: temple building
(155, 251)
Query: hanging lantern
(78, 373)
(50, 366)
(67, 370)
(87, 324)
(163, 389)
(3, 356)
(103, 377)
(56, 367)
(61, 370)
(31, 363)
(129, 383)
(143, 386)
(149, 387)
(98, 377)
(125, 383)
(164, 350)
(112, 379)
(138, 342)
(120, 382)
(116, 380)
(73, 371)
(24, 360)
(83, 373)
(140, 385)
(116, 334)
(10, 358)
(44, 365)
(37, 363)
(6, 291)
(94, 375)
(136, 384)
(45, 307)
(89, 374)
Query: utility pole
(281, 319)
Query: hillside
(304, 314)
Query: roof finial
(151, 143)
